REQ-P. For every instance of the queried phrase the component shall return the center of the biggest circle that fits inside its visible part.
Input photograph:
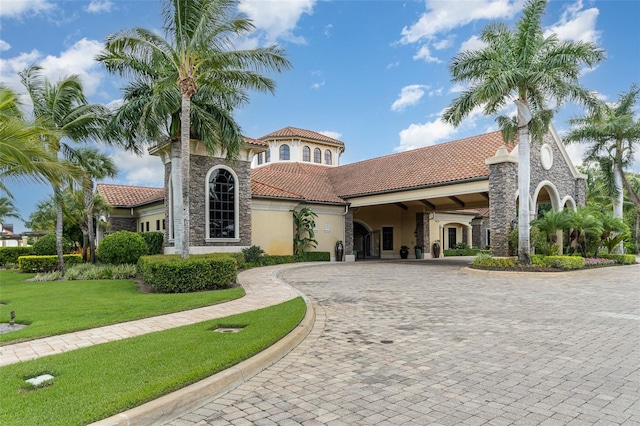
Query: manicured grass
(99, 381)
(58, 307)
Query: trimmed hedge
(10, 255)
(463, 252)
(155, 242)
(495, 262)
(46, 263)
(564, 262)
(623, 259)
(172, 274)
(309, 256)
(122, 247)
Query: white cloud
(327, 30)
(474, 43)
(99, 6)
(317, 86)
(576, 24)
(425, 53)
(409, 96)
(331, 134)
(457, 88)
(443, 44)
(444, 16)
(10, 67)
(4, 46)
(393, 65)
(433, 132)
(278, 19)
(146, 170)
(15, 8)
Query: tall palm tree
(614, 136)
(523, 66)
(23, 155)
(95, 165)
(196, 55)
(63, 108)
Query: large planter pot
(436, 249)
(404, 253)
(418, 253)
(339, 252)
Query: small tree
(304, 223)
(548, 225)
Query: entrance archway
(366, 243)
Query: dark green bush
(122, 247)
(564, 262)
(46, 245)
(495, 262)
(172, 274)
(10, 255)
(46, 263)
(155, 242)
(309, 256)
(252, 254)
(463, 252)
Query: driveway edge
(173, 405)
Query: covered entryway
(366, 243)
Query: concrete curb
(168, 407)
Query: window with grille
(222, 209)
(327, 157)
(317, 155)
(284, 152)
(306, 154)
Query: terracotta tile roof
(437, 164)
(294, 132)
(294, 180)
(129, 196)
(252, 141)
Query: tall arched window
(327, 157)
(222, 197)
(260, 158)
(317, 155)
(284, 152)
(267, 156)
(306, 153)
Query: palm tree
(614, 135)
(549, 225)
(63, 108)
(23, 155)
(523, 66)
(587, 229)
(304, 222)
(95, 165)
(197, 54)
(7, 209)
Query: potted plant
(339, 250)
(404, 252)
(418, 250)
(436, 248)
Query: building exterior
(463, 191)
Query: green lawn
(58, 307)
(99, 381)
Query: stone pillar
(503, 184)
(427, 234)
(580, 196)
(348, 237)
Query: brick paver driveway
(435, 343)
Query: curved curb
(168, 407)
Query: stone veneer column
(503, 184)
(426, 232)
(348, 237)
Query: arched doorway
(366, 243)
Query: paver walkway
(262, 287)
(422, 343)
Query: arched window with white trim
(306, 153)
(222, 203)
(327, 157)
(317, 155)
(284, 152)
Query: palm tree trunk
(57, 194)
(524, 171)
(185, 126)
(88, 202)
(618, 200)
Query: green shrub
(46, 263)
(314, 256)
(623, 259)
(565, 262)
(87, 271)
(46, 245)
(252, 254)
(155, 242)
(309, 256)
(462, 251)
(10, 255)
(172, 274)
(495, 262)
(122, 247)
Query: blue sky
(370, 73)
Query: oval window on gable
(222, 204)
(284, 153)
